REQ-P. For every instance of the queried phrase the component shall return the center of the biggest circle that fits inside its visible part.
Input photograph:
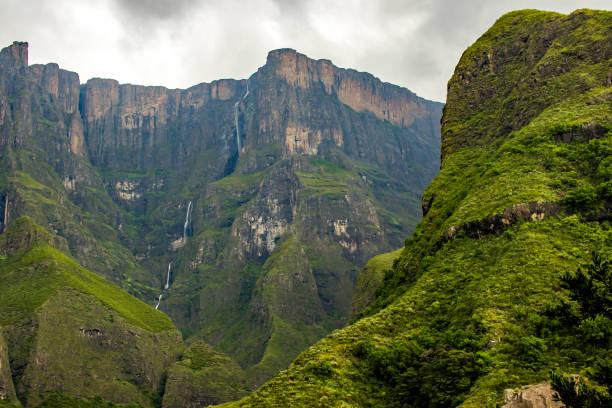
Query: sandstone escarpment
(41, 97)
(323, 106)
(133, 122)
(360, 91)
(534, 396)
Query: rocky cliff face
(257, 191)
(128, 125)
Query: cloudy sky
(178, 43)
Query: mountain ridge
(217, 180)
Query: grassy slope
(31, 276)
(455, 323)
(203, 376)
(69, 329)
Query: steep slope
(229, 199)
(475, 302)
(66, 329)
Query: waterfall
(168, 277)
(247, 91)
(236, 106)
(167, 285)
(185, 226)
(187, 221)
(237, 128)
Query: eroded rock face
(534, 396)
(300, 105)
(269, 215)
(493, 224)
(126, 124)
(362, 92)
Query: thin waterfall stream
(168, 277)
(187, 221)
(236, 106)
(166, 286)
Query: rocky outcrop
(13, 59)
(269, 214)
(534, 396)
(15, 111)
(7, 389)
(323, 106)
(496, 223)
(23, 234)
(581, 134)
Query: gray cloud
(154, 9)
(178, 43)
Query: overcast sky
(412, 43)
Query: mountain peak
(15, 56)
(361, 91)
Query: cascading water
(236, 105)
(187, 221)
(166, 286)
(168, 277)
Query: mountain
(243, 209)
(508, 275)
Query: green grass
(242, 181)
(31, 276)
(325, 178)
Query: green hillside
(30, 276)
(478, 301)
(67, 329)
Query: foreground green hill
(63, 328)
(476, 303)
(70, 338)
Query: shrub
(583, 198)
